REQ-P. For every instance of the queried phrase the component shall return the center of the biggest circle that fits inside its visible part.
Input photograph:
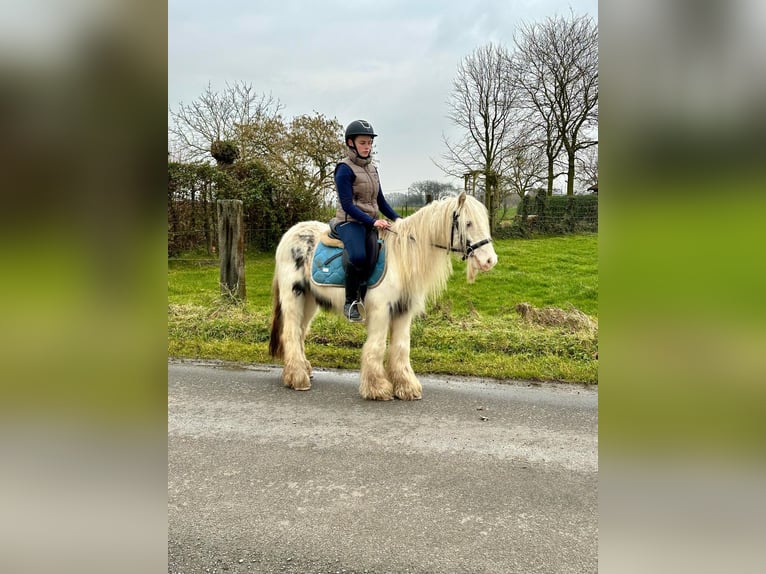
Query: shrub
(224, 152)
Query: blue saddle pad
(327, 267)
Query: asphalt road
(476, 477)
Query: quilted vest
(365, 187)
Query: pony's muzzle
(486, 261)
(479, 261)
(491, 261)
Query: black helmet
(359, 128)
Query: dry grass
(570, 320)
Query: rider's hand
(382, 224)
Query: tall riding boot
(350, 309)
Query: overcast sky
(391, 62)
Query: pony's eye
(468, 224)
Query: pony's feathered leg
(310, 309)
(373, 383)
(406, 385)
(295, 373)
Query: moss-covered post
(231, 247)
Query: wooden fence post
(231, 247)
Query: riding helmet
(360, 128)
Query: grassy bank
(471, 330)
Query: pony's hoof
(383, 391)
(408, 395)
(408, 390)
(299, 383)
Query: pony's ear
(461, 199)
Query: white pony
(418, 265)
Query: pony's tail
(275, 344)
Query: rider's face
(363, 145)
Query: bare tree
(588, 164)
(556, 65)
(482, 104)
(216, 117)
(527, 165)
(428, 187)
(544, 134)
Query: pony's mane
(423, 267)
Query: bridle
(467, 249)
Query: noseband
(466, 249)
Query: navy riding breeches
(361, 245)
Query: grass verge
(472, 330)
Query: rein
(469, 248)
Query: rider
(359, 199)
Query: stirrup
(359, 307)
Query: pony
(419, 251)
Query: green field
(471, 330)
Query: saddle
(328, 266)
(330, 238)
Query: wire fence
(552, 215)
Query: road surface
(479, 476)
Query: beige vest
(365, 187)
